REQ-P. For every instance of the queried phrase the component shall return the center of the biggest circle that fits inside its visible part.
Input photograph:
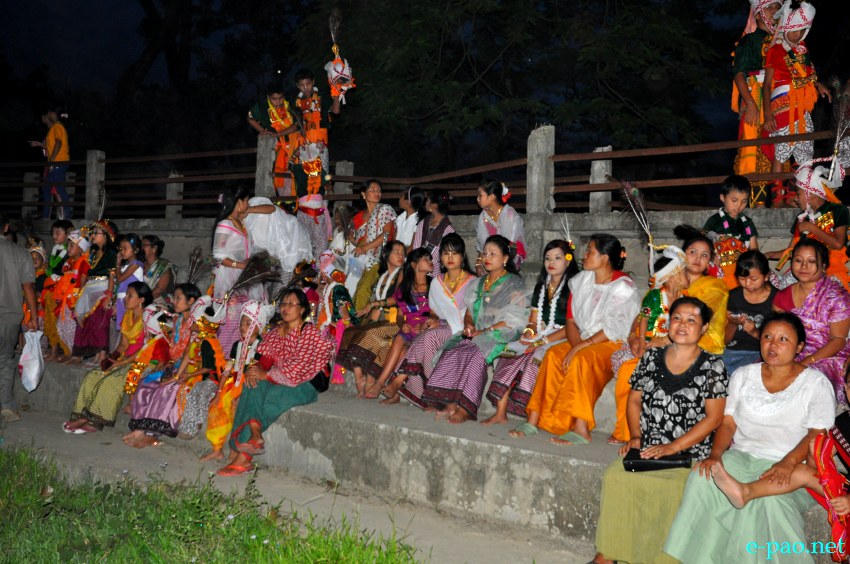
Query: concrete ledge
(403, 453)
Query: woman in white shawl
(498, 218)
(448, 309)
(281, 234)
(497, 307)
(603, 303)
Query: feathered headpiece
(340, 75)
(36, 246)
(565, 227)
(260, 269)
(107, 227)
(200, 266)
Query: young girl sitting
(749, 304)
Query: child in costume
(255, 317)
(311, 161)
(201, 368)
(60, 323)
(748, 68)
(669, 280)
(270, 116)
(39, 260)
(59, 253)
(151, 360)
(823, 218)
(731, 230)
(130, 269)
(791, 90)
(335, 308)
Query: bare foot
(373, 390)
(732, 488)
(431, 409)
(76, 424)
(89, 428)
(393, 386)
(73, 360)
(395, 398)
(213, 455)
(232, 456)
(459, 416)
(496, 419)
(132, 436)
(145, 441)
(446, 412)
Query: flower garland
(550, 325)
(387, 277)
(327, 313)
(242, 356)
(742, 218)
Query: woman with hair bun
(433, 225)
(603, 302)
(498, 218)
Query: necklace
(488, 283)
(237, 223)
(495, 218)
(453, 285)
(386, 279)
(93, 260)
(553, 301)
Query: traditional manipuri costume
(136, 267)
(41, 279)
(290, 362)
(60, 324)
(749, 58)
(508, 224)
(655, 308)
(368, 228)
(517, 375)
(154, 405)
(279, 119)
(768, 426)
(310, 170)
(206, 365)
(333, 301)
(637, 508)
(460, 374)
(92, 311)
(102, 391)
(242, 355)
(793, 92)
(814, 178)
(232, 242)
(713, 292)
(155, 272)
(562, 397)
(280, 234)
(731, 238)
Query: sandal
(252, 447)
(612, 440)
(526, 428)
(72, 430)
(235, 470)
(570, 437)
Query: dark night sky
(84, 42)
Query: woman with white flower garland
(514, 378)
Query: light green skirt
(636, 511)
(709, 529)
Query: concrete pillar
(174, 191)
(343, 168)
(31, 194)
(263, 180)
(95, 175)
(600, 202)
(540, 171)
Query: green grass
(46, 519)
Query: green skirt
(636, 511)
(265, 404)
(709, 529)
(101, 395)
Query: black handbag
(632, 462)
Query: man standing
(16, 276)
(271, 117)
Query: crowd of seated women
(739, 382)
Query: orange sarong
(562, 397)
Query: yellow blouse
(714, 293)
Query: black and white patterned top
(673, 403)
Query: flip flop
(612, 440)
(235, 470)
(574, 438)
(527, 430)
(252, 447)
(72, 430)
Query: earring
(505, 264)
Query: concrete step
(466, 470)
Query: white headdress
(794, 20)
(815, 179)
(258, 313)
(757, 8)
(77, 237)
(151, 316)
(677, 264)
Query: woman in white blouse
(772, 411)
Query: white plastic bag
(31, 363)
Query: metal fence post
(95, 175)
(600, 202)
(540, 171)
(174, 191)
(263, 180)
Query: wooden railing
(137, 186)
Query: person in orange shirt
(55, 148)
